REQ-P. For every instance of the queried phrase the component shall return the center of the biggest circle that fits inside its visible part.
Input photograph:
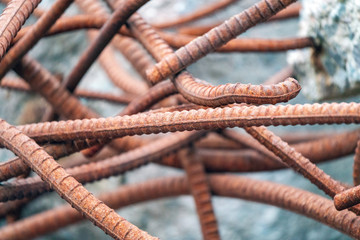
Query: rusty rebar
(209, 118)
(16, 166)
(205, 94)
(50, 88)
(175, 105)
(310, 171)
(125, 195)
(33, 36)
(289, 198)
(130, 48)
(356, 167)
(296, 200)
(32, 187)
(201, 192)
(11, 20)
(347, 198)
(149, 38)
(296, 161)
(350, 197)
(317, 150)
(37, 11)
(244, 44)
(139, 104)
(215, 38)
(107, 58)
(208, 95)
(51, 172)
(106, 33)
(245, 160)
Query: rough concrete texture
(334, 70)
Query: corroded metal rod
(244, 160)
(310, 171)
(51, 172)
(50, 88)
(107, 58)
(215, 38)
(296, 200)
(201, 192)
(204, 93)
(16, 166)
(105, 35)
(33, 35)
(356, 167)
(244, 44)
(194, 120)
(11, 20)
(32, 187)
(295, 160)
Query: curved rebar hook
(214, 96)
(203, 93)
